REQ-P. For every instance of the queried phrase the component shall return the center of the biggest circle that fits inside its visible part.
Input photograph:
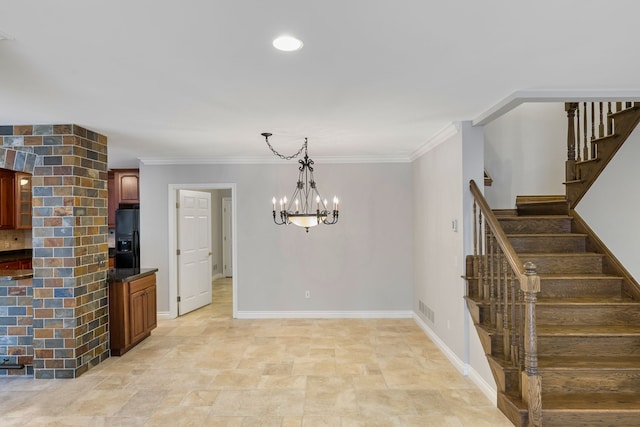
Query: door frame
(226, 254)
(173, 241)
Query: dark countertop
(121, 275)
(15, 274)
(6, 256)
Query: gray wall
(363, 263)
(441, 196)
(525, 152)
(611, 205)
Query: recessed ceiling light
(287, 43)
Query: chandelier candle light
(299, 210)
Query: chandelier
(305, 208)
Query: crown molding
(521, 96)
(437, 139)
(159, 161)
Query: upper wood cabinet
(112, 200)
(22, 200)
(127, 186)
(7, 199)
(15, 200)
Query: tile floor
(207, 369)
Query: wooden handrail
(519, 340)
(501, 237)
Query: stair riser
(518, 416)
(587, 264)
(568, 244)
(594, 346)
(506, 379)
(530, 226)
(568, 418)
(585, 288)
(590, 381)
(588, 315)
(569, 288)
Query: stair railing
(587, 122)
(496, 269)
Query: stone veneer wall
(16, 325)
(70, 250)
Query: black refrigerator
(127, 238)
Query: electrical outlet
(307, 294)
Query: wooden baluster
(577, 136)
(499, 311)
(594, 153)
(475, 247)
(636, 104)
(486, 261)
(521, 327)
(618, 106)
(531, 381)
(481, 294)
(492, 283)
(609, 120)
(515, 356)
(585, 150)
(570, 108)
(628, 105)
(505, 322)
(601, 124)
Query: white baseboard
(462, 367)
(217, 276)
(165, 315)
(324, 314)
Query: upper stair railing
(496, 269)
(595, 131)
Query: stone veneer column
(70, 249)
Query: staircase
(587, 319)
(592, 144)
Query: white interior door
(227, 241)
(194, 250)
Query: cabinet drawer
(141, 284)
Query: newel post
(531, 384)
(570, 108)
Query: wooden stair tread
(595, 402)
(579, 276)
(586, 301)
(576, 301)
(529, 217)
(614, 363)
(560, 254)
(589, 330)
(586, 162)
(554, 235)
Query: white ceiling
(199, 78)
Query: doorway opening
(218, 192)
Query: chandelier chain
(282, 156)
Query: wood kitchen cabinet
(22, 182)
(132, 312)
(19, 264)
(7, 199)
(127, 186)
(112, 201)
(15, 200)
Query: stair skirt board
(465, 369)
